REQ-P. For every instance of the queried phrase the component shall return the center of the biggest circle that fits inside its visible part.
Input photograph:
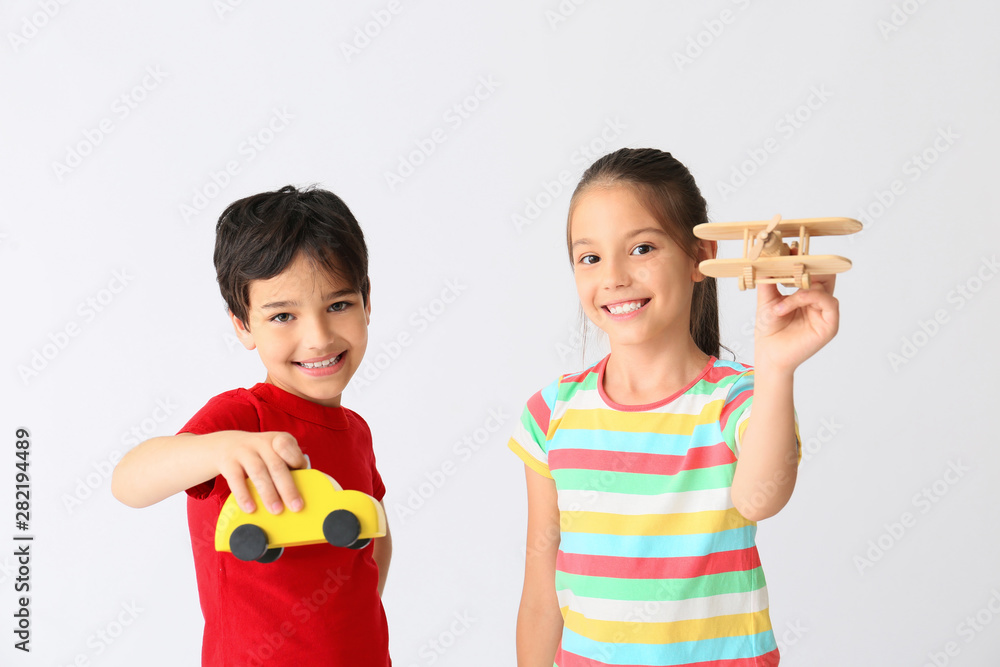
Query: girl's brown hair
(667, 190)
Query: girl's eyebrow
(287, 304)
(630, 235)
(645, 230)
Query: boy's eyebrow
(329, 297)
(632, 234)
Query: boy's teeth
(623, 308)
(321, 364)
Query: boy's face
(310, 329)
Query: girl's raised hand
(792, 328)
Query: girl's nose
(615, 274)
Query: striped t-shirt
(655, 565)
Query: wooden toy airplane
(769, 260)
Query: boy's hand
(266, 459)
(792, 328)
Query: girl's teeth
(623, 308)
(321, 364)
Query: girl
(646, 474)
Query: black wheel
(248, 542)
(341, 528)
(271, 555)
(360, 544)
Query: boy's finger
(238, 486)
(260, 473)
(285, 446)
(285, 486)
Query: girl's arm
(789, 330)
(382, 553)
(160, 467)
(539, 620)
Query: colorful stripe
(655, 566)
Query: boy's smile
(310, 329)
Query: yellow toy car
(330, 514)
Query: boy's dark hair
(667, 190)
(257, 237)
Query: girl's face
(634, 282)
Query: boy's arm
(789, 330)
(382, 553)
(160, 467)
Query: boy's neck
(332, 402)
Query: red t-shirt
(317, 604)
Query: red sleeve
(378, 487)
(231, 411)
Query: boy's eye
(590, 259)
(642, 249)
(281, 317)
(339, 306)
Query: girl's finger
(802, 298)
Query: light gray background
(887, 82)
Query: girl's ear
(242, 332)
(705, 250)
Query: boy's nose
(318, 333)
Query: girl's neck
(642, 374)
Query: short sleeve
(225, 412)
(378, 486)
(530, 437)
(736, 414)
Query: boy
(293, 269)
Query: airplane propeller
(763, 237)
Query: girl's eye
(590, 259)
(339, 306)
(281, 317)
(642, 249)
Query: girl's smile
(622, 310)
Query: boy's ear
(706, 250)
(368, 304)
(242, 332)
